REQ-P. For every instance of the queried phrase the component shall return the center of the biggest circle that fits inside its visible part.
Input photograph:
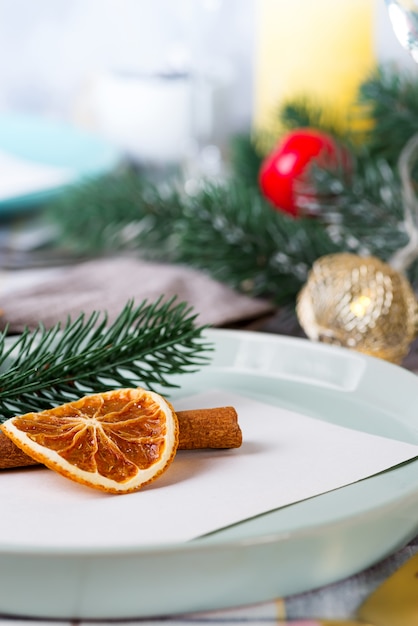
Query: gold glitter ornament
(359, 303)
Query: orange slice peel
(117, 441)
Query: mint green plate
(42, 141)
(290, 550)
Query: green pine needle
(117, 212)
(144, 346)
(235, 235)
(364, 209)
(246, 160)
(231, 232)
(226, 230)
(303, 113)
(390, 99)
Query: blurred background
(52, 51)
(164, 85)
(125, 95)
(149, 76)
(155, 77)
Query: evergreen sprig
(231, 232)
(144, 346)
(389, 98)
(364, 213)
(120, 211)
(227, 230)
(302, 113)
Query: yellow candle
(318, 49)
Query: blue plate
(49, 143)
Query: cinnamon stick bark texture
(198, 428)
(209, 428)
(11, 455)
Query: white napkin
(21, 176)
(285, 457)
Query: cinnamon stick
(11, 455)
(209, 428)
(198, 428)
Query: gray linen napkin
(107, 285)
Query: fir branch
(246, 159)
(302, 112)
(144, 346)
(295, 113)
(232, 233)
(390, 100)
(226, 230)
(364, 212)
(120, 211)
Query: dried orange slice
(116, 441)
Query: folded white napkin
(51, 295)
(21, 176)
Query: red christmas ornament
(284, 173)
